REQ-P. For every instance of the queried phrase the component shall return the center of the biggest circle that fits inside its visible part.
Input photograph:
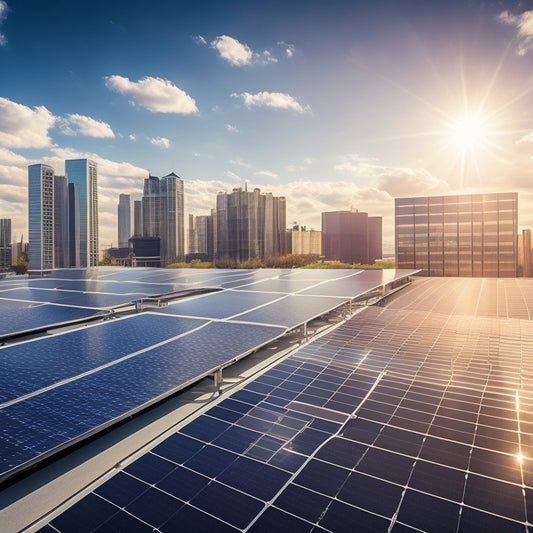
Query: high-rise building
(124, 220)
(83, 174)
(202, 237)
(73, 226)
(250, 225)
(41, 217)
(524, 253)
(61, 227)
(137, 218)
(163, 215)
(472, 235)
(304, 241)
(6, 258)
(193, 243)
(351, 237)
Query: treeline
(282, 261)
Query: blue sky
(333, 104)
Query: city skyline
(333, 105)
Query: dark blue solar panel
(219, 304)
(22, 317)
(292, 310)
(57, 416)
(33, 365)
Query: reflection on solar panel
(401, 419)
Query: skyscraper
(83, 174)
(61, 228)
(41, 217)
(250, 225)
(124, 220)
(473, 235)
(6, 258)
(73, 225)
(137, 218)
(163, 215)
(351, 237)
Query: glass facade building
(61, 229)
(471, 235)
(351, 237)
(83, 174)
(124, 220)
(250, 225)
(6, 259)
(41, 217)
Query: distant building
(41, 218)
(250, 225)
(61, 225)
(524, 253)
(193, 248)
(472, 235)
(201, 237)
(145, 251)
(137, 218)
(6, 258)
(304, 241)
(73, 226)
(163, 215)
(351, 237)
(124, 220)
(83, 174)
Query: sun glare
(469, 132)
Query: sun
(469, 132)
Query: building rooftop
(414, 414)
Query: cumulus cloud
(289, 48)
(233, 51)
(231, 128)
(24, 127)
(161, 142)
(275, 100)
(7, 157)
(237, 53)
(524, 27)
(132, 137)
(3, 16)
(81, 125)
(155, 94)
(396, 181)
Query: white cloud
(525, 139)
(155, 94)
(3, 15)
(396, 181)
(275, 100)
(231, 128)
(232, 176)
(161, 142)
(200, 40)
(524, 26)
(289, 48)
(81, 125)
(233, 51)
(23, 127)
(237, 53)
(240, 162)
(7, 157)
(132, 137)
(266, 174)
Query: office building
(163, 215)
(250, 225)
(41, 218)
(137, 218)
(83, 174)
(192, 245)
(61, 224)
(473, 235)
(351, 237)
(6, 259)
(304, 241)
(73, 225)
(124, 220)
(524, 253)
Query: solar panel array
(401, 419)
(56, 390)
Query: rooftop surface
(412, 415)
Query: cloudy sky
(333, 104)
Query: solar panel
(396, 420)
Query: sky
(334, 105)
